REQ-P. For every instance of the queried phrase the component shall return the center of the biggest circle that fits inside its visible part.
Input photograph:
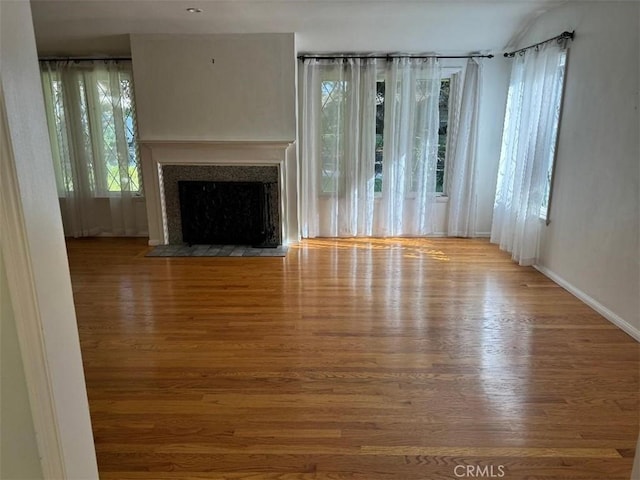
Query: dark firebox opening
(227, 213)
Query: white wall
(19, 457)
(248, 94)
(35, 256)
(592, 241)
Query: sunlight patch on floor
(412, 247)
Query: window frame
(545, 206)
(90, 91)
(449, 67)
(381, 77)
(329, 77)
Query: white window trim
(546, 209)
(449, 66)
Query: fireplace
(222, 205)
(227, 213)
(166, 162)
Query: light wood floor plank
(348, 359)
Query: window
(91, 116)
(445, 86)
(334, 93)
(332, 133)
(529, 136)
(559, 79)
(379, 134)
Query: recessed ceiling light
(194, 10)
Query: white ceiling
(87, 27)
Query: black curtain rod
(559, 38)
(82, 59)
(385, 57)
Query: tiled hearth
(216, 251)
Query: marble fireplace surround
(156, 154)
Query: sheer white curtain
(91, 119)
(411, 122)
(338, 147)
(528, 150)
(353, 109)
(462, 159)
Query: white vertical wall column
(36, 262)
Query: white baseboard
(483, 234)
(614, 318)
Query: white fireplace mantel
(156, 153)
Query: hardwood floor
(382, 359)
